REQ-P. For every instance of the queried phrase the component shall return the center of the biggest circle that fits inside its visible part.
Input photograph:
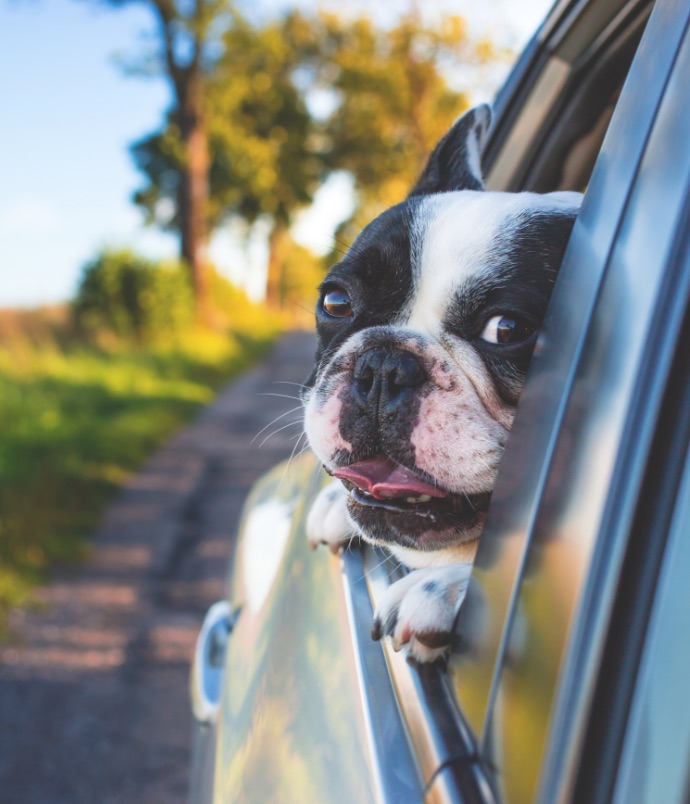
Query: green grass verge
(76, 421)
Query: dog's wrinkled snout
(383, 379)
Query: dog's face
(426, 329)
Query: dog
(425, 332)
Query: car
(568, 674)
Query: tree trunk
(277, 248)
(194, 192)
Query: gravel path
(93, 695)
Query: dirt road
(93, 696)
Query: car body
(567, 678)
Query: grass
(77, 420)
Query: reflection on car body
(568, 677)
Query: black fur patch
(527, 257)
(449, 166)
(406, 529)
(377, 275)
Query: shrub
(131, 297)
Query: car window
(550, 129)
(551, 510)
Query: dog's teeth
(422, 498)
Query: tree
(393, 101)
(268, 145)
(185, 54)
(262, 157)
(268, 164)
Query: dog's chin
(435, 525)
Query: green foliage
(388, 101)
(260, 128)
(79, 419)
(125, 297)
(131, 297)
(394, 99)
(302, 274)
(262, 152)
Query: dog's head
(426, 329)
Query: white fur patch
(457, 444)
(420, 605)
(323, 426)
(327, 521)
(456, 235)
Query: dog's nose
(384, 379)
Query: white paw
(327, 522)
(418, 612)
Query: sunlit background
(176, 176)
(72, 108)
(175, 179)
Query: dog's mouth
(379, 482)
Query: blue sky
(69, 115)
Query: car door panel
(295, 666)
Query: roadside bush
(126, 295)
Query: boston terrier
(425, 332)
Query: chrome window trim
(520, 140)
(426, 702)
(561, 47)
(401, 780)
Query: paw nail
(376, 633)
(392, 621)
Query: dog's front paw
(327, 522)
(418, 611)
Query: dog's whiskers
(280, 429)
(340, 242)
(287, 382)
(349, 248)
(380, 564)
(292, 455)
(282, 396)
(277, 419)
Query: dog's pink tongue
(385, 480)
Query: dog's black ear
(456, 162)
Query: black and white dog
(426, 329)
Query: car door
(571, 514)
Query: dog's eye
(504, 329)
(337, 303)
